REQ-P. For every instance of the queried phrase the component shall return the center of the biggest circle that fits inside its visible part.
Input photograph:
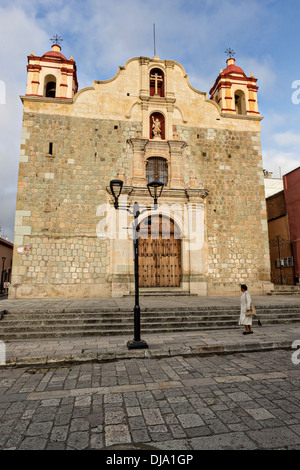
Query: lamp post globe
(116, 189)
(155, 189)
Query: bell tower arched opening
(239, 99)
(50, 86)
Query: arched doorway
(159, 252)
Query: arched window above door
(157, 170)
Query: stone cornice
(194, 194)
(241, 116)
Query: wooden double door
(159, 253)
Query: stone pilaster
(138, 165)
(176, 169)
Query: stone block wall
(229, 164)
(57, 250)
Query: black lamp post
(155, 189)
(2, 273)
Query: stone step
(165, 293)
(119, 318)
(52, 323)
(57, 333)
(151, 310)
(285, 290)
(86, 329)
(284, 293)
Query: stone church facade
(209, 233)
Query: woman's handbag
(252, 311)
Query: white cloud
(280, 163)
(287, 139)
(265, 70)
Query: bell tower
(234, 92)
(52, 75)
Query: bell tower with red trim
(234, 92)
(52, 75)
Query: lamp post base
(137, 344)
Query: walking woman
(245, 320)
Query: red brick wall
(291, 183)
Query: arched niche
(157, 85)
(157, 126)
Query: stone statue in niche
(156, 128)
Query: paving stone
(239, 396)
(198, 431)
(190, 420)
(229, 441)
(134, 411)
(96, 441)
(217, 426)
(275, 438)
(177, 431)
(33, 443)
(117, 434)
(59, 433)
(153, 416)
(260, 413)
(140, 435)
(78, 440)
(39, 429)
(115, 417)
(79, 424)
(178, 444)
(136, 422)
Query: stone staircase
(285, 290)
(38, 324)
(166, 292)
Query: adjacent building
(6, 255)
(292, 198)
(283, 210)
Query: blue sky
(103, 34)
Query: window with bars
(157, 170)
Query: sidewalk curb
(102, 357)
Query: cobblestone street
(238, 401)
